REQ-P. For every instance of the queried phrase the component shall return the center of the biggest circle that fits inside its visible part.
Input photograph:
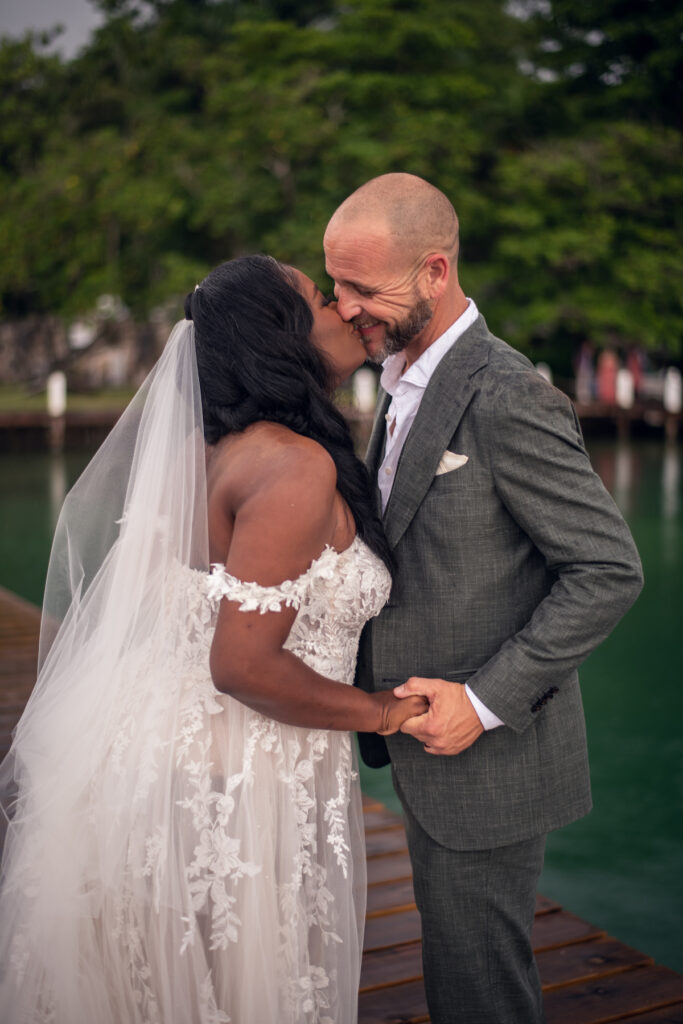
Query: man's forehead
(355, 250)
(358, 219)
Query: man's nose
(347, 306)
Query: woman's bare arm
(282, 520)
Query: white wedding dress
(228, 880)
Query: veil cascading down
(170, 855)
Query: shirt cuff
(486, 717)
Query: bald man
(513, 563)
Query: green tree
(190, 131)
(587, 247)
(610, 59)
(203, 130)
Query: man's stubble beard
(399, 337)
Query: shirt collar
(420, 373)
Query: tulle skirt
(175, 857)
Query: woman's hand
(395, 711)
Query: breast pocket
(454, 494)
(449, 483)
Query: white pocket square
(449, 462)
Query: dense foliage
(189, 131)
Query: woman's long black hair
(256, 362)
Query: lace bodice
(334, 599)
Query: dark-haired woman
(185, 833)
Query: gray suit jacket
(511, 570)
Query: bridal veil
(71, 796)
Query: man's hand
(451, 725)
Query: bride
(185, 840)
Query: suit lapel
(448, 394)
(373, 456)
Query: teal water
(621, 867)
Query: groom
(513, 564)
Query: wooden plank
(19, 634)
(669, 1015)
(584, 961)
(18, 620)
(388, 898)
(391, 966)
(549, 931)
(386, 932)
(389, 868)
(618, 997)
(14, 605)
(382, 818)
(400, 1004)
(392, 930)
(18, 670)
(396, 890)
(569, 965)
(17, 676)
(389, 840)
(544, 905)
(561, 929)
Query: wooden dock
(19, 631)
(588, 977)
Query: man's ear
(437, 271)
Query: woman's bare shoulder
(272, 503)
(267, 456)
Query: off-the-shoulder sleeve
(254, 597)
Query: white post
(56, 409)
(364, 389)
(672, 401)
(672, 390)
(625, 388)
(56, 394)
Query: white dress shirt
(407, 390)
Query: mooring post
(56, 409)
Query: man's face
(376, 288)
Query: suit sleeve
(543, 477)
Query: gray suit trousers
(477, 910)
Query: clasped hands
(445, 721)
